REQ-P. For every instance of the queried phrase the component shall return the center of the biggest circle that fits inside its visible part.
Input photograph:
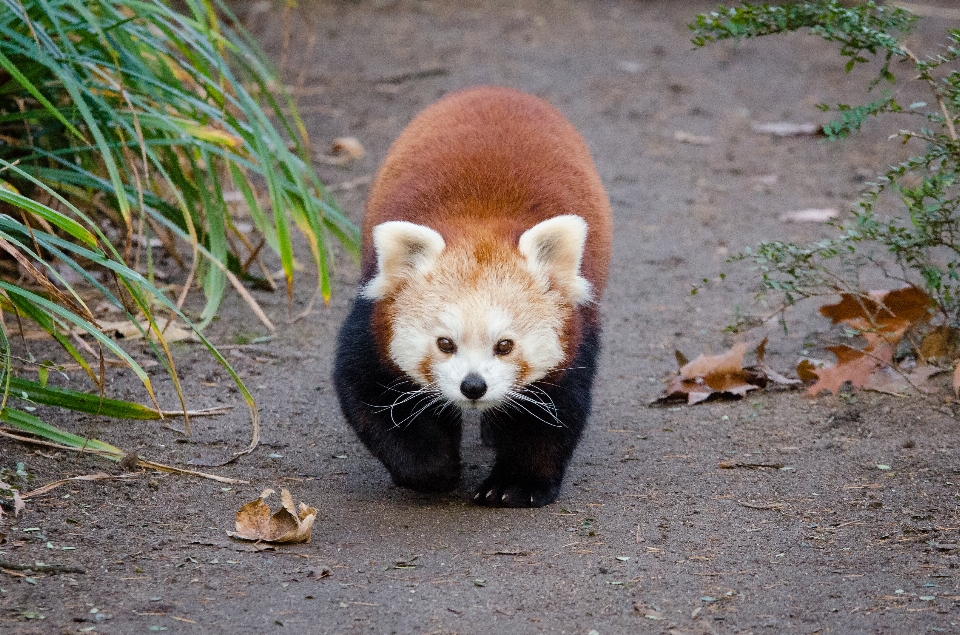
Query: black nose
(473, 386)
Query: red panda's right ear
(403, 249)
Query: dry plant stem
(160, 467)
(255, 438)
(44, 282)
(100, 476)
(85, 346)
(247, 297)
(307, 310)
(947, 119)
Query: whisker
(412, 417)
(537, 390)
(517, 398)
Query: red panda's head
(479, 320)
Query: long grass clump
(130, 130)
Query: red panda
(485, 250)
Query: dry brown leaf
(287, 525)
(18, 504)
(807, 369)
(956, 380)
(887, 313)
(853, 365)
(882, 317)
(714, 375)
(940, 346)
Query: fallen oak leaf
(853, 365)
(287, 525)
(807, 369)
(713, 375)
(888, 313)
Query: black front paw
(428, 478)
(516, 492)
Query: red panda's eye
(446, 345)
(503, 347)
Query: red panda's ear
(403, 249)
(554, 249)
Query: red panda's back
(493, 162)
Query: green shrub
(919, 246)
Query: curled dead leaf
(724, 375)
(288, 525)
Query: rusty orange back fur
(489, 163)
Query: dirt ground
(649, 535)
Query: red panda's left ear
(403, 250)
(554, 249)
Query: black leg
(416, 438)
(533, 446)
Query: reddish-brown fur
(490, 162)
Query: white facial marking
(478, 297)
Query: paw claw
(506, 493)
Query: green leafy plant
(128, 126)
(919, 245)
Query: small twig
(45, 568)
(406, 77)
(729, 465)
(767, 506)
